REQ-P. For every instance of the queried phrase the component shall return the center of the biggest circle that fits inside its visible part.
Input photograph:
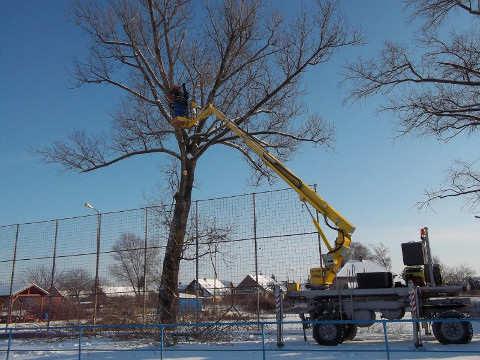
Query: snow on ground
(295, 348)
(368, 345)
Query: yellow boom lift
(319, 277)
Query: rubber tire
(350, 332)
(458, 332)
(400, 313)
(328, 334)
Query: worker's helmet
(175, 87)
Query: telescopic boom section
(331, 261)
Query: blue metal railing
(263, 346)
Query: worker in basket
(179, 100)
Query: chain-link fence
(106, 267)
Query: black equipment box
(374, 280)
(437, 275)
(413, 253)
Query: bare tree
(462, 179)
(376, 253)
(203, 233)
(441, 266)
(432, 87)
(381, 256)
(40, 275)
(457, 274)
(358, 251)
(136, 264)
(240, 55)
(76, 283)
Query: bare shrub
(122, 310)
(248, 303)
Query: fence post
(257, 286)
(387, 349)
(161, 342)
(279, 314)
(9, 342)
(9, 317)
(79, 343)
(145, 267)
(52, 282)
(197, 291)
(263, 340)
(97, 263)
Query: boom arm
(332, 260)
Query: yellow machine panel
(293, 286)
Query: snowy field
(368, 345)
(294, 349)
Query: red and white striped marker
(277, 303)
(413, 302)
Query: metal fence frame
(261, 347)
(95, 227)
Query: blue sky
(371, 178)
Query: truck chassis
(392, 303)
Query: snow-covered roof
(352, 267)
(211, 286)
(17, 288)
(263, 281)
(118, 290)
(250, 281)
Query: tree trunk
(168, 292)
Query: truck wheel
(328, 334)
(452, 332)
(395, 314)
(350, 332)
